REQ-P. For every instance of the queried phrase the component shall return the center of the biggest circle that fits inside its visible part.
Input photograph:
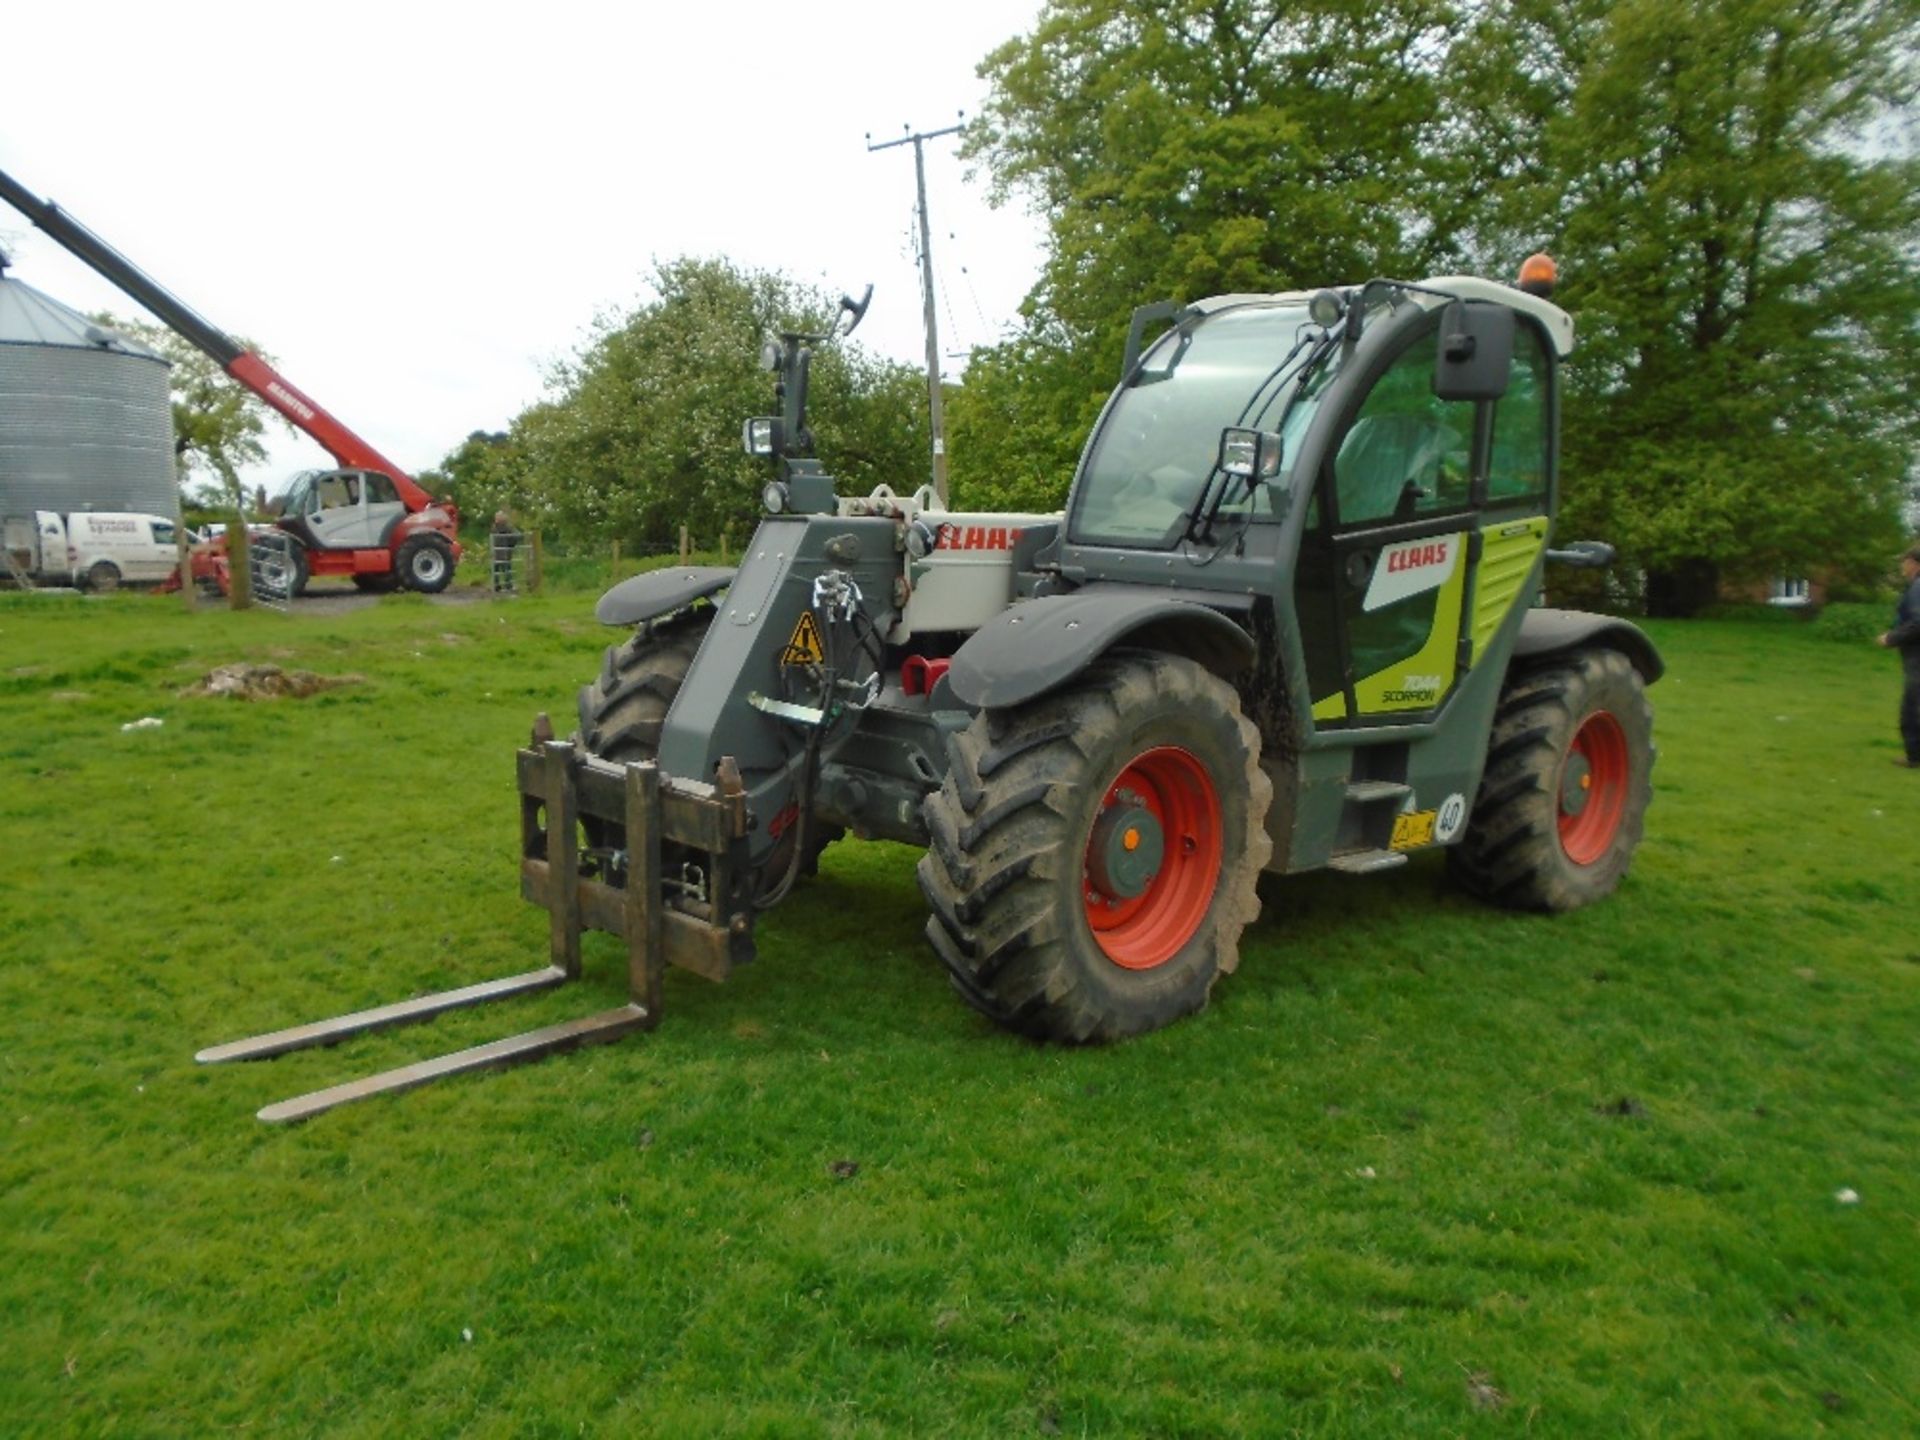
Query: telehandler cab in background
(1288, 620)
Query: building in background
(86, 420)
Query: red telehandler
(368, 519)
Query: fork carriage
(696, 918)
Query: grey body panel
(1037, 645)
(1546, 632)
(712, 715)
(660, 592)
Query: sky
(417, 208)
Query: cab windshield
(1158, 447)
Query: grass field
(1423, 1168)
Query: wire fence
(522, 563)
(506, 563)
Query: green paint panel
(1506, 559)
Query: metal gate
(508, 554)
(272, 568)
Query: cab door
(1387, 579)
(336, 511)
(1383, 568)
(156, 557)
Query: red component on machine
(369, 519)
(918, 675)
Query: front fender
(661, 592)
(1037, 645)
(1546, 632)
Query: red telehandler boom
(368, 519)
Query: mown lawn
(1423, 1168)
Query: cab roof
(1557, 323)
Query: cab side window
(336, 491)
(381, 491)
(1517, 468)
(1408, 453)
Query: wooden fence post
(615, 577)
(538, 568)
(686, 551)
(239, 564)
(185, 562)
(723, 543)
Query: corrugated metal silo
(86, 421)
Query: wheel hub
(1594, 779)
(1126, 848)
(1153, 857)
(1576, 784)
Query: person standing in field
(506, 538)
(1905, 637)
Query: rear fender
(661, 592)
(1545, 633)
(1039, 645)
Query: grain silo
(86, 422)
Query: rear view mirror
(1475, 352)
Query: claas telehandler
(1289, 619)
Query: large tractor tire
(1563, 800)
(1094, 852)
(425, 564)
(623, 710)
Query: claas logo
(976, 537)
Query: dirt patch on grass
(266, 682)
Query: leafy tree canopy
(1740, 226)
(641, 431)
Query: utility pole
(916, 139)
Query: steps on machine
(1366, 792)
(1367, 862)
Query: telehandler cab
(1287, 620)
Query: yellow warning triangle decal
(804, 648)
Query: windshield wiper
(1198, 522)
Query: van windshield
(1160, 441)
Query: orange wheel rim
(1152, 858)
(1593, 788)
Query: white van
(96, 550)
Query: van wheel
(104, 577)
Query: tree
(1185, 149)
(1739, 226)
(482, 475)
(218, 424)
(642, 431)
